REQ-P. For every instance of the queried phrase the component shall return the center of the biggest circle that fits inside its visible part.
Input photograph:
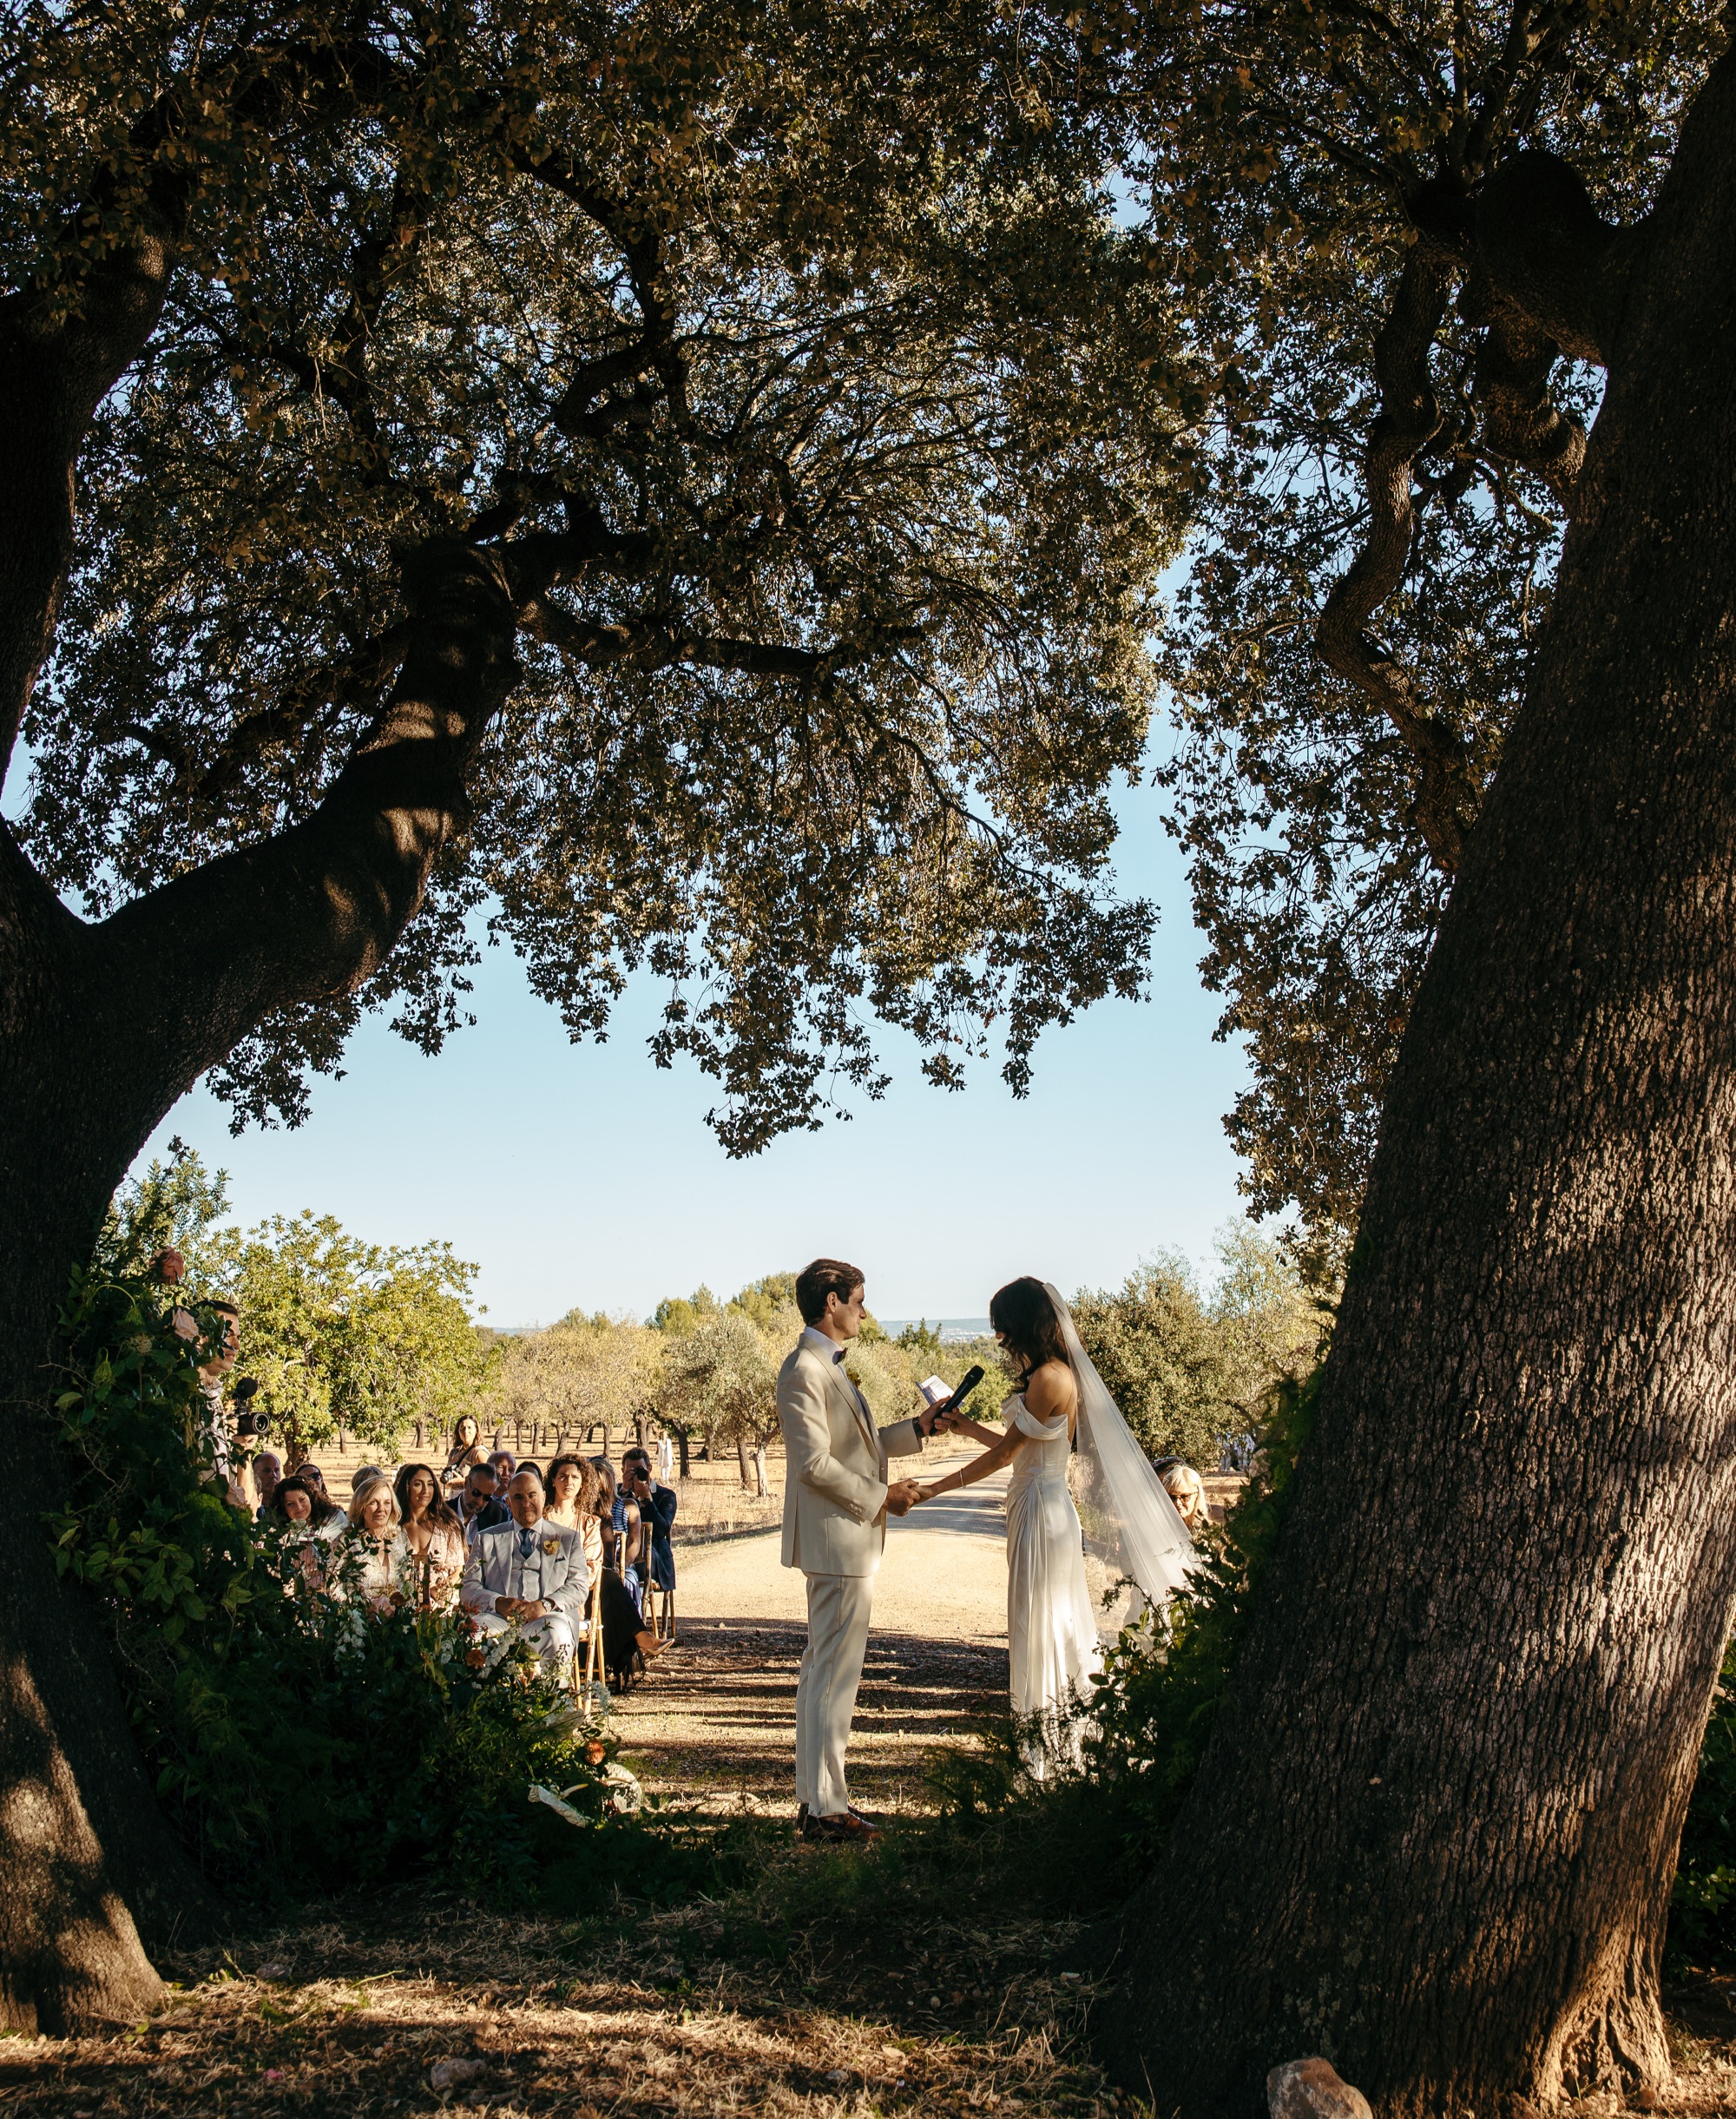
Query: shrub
(1158, 1697)
(1703, 1901)
(299, 1746)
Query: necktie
(838, 1357)
(527, 1539)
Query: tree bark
(1434, 1833)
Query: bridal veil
(1130, 1523)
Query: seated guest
(477, 1507)
(303, 1507)
(621, 1531)
(369, 1565)
(309, 1471)
(432, 1533)
(361, 1476)
(528, 1573)
(466, 1450)
(572, 1492)
(503, 1463)
(267, 1470)
(656, 1504)
(608, 1512)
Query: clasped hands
(521, 1607)
(903, 1495)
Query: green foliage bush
(1157, 1698)
(1703, 1901)
(300, 1746)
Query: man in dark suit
(477, 1507)
(657, 1504)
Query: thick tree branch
(64, 346)
(1410, 418)
(312, 911)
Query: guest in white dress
(371, 1565)
(1052, 1647)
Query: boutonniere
(551, 1546)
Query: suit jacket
(492, 1513)
(659, 1517)
(835, 1484)
(555, 1572)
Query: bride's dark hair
(1022, 1311)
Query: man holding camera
(657, 1504)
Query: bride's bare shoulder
(1051, 1389)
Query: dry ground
(821, 1992)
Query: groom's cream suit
(834, 1528)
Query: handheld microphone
(967, 1384)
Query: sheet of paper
(934, 1388)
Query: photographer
(168, 1268)
(656, 1504)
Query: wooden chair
(589, 1693)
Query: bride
(1061, 1403)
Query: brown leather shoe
(846, 1831)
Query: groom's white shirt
(835, 1482)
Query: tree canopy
(342, 1333)
(1191, 1367)
(172, 1205)
(784, 368)
(1393, 451)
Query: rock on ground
(1312, 2089)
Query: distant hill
(952, 1330)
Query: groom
(836, 1496)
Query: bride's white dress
(1051, 1629)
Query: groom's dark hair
(826, 1276)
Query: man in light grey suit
(529, 1573)
(836, 1496)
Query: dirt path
(715, 1718)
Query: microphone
(967, 1384)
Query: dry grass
(667, 2013)
(646, 2018)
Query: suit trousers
(839, 1606)
(551, 1635)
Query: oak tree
(689, 477)
(1434, 1831)
(1390, 469)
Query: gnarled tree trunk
(101, 1028)
(1434, 1835)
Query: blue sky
(582, 1175)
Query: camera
(251, 1422)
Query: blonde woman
(1187, 1490)
(370, 1564)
